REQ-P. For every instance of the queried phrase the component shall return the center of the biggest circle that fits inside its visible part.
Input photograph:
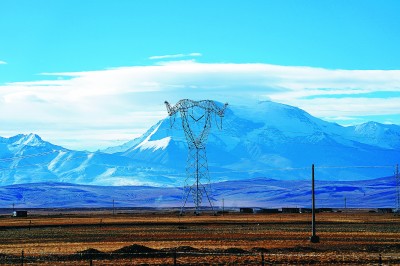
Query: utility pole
(223, 206)
(398, 188)
(314, 238)
(113, 207)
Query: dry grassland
(346, 238)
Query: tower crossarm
(171, 110)
(182, 105)
(186, 104)
(212, 107)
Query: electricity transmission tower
(196, 123)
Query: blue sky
(64, 63)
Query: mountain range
(256, 192)
(264, 140)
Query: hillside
(260, 192)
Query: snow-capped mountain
(267, 139)
(29, 159)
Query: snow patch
(108, 172)
(53, 163)
(154, 144)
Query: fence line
(175, 257)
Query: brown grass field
(154, 238)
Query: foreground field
(166, 238)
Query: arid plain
(164, 237)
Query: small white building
(20, 214)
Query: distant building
(246, 210)
(325, 209)
(290, 210)
(385, 210)
(268, 211)
(20, 214)
(305, 210)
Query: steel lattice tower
(196, 123)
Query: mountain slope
(267, 139)
(275, 136)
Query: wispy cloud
(93, 109)
(3, 62)
(172, 56)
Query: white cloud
(195, 54)
(3, 62)
(340, 118)
(91, 109)
(169, 56)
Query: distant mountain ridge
(257, 192)
(263, 140)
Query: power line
(40, 164)
(263, 170)
(183, 139)
(370, 147)
(354, 166)
(29, 155)
(176, 174)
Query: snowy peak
(28, 143)
(28, 140)
(290, 121)
(376, 129)
(376, 134)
